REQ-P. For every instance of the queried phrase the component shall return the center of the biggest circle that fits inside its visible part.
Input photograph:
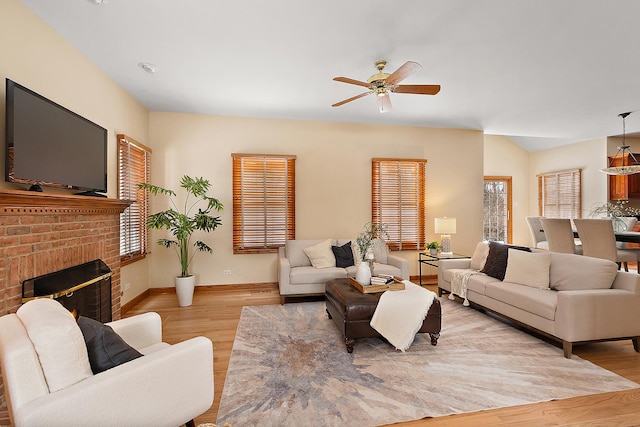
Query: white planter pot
(363, 274)
(184, 289)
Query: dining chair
(559, 235)
(599, 241)
(537, 234)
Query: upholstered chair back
(559, 235)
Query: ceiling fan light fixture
(622, 150)
(384, 103)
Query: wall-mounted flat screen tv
(49, 145)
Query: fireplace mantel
(14, 202)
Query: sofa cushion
(321, 255)
(479, 256)
(380, 250)
(496, 263)
(478, 283)
(343, 255)
(539, 302)
(530, 269)
(105, 348)
(571, 272)
(306, 275)
(294, 252)
(58, 341)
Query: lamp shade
(445, 225)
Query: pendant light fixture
(623, 169)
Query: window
(497, 209)
(134, 160)
(560, 194)
(397, 195)
(264, 200)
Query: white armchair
(169, 386)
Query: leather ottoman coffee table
(351, 310)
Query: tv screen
(47, 144)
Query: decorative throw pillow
(106, 349)
(380, 250)
(479, 256)
(58, 341)
(321, 255)
(527, 268)
(496, 263)
(571, 272)
(343, 255)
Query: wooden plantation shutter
(560, 194)
(264, 199)
(134, 161)
(398, 200)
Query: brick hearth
(41, 233)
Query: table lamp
(445, 227)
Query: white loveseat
(297, 276)
(46, 383)
(586, 299)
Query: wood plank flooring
(216, 311)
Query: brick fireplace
(41, 233)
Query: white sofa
(297, 277)
(588, 299)
(169, 386)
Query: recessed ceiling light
(149, 68)
(99, 2)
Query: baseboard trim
(430, 279)
(128, 306)
(251, 287)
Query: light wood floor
(216, 311)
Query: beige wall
(333, 181)
(590, 156)
(37, 57)
(503, 157)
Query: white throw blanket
(399, 314)
(459, 280)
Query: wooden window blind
(560, 194)
(264, 200)
(398, 200)
(134, 164)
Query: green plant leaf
(180, 223)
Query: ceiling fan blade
(337, 104)
(384, 103)
(403, 72)
(418, 89)
(351, 81)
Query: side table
(432, 260)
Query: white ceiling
(544, 72)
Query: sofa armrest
(595, 314)
(168, 387)
(139, 331)
(629, 282)
(284, 269)
(401, 263)
(448, 264)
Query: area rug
(289, 367)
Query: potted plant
(365, 242)
(432, 247)
(182, 223)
